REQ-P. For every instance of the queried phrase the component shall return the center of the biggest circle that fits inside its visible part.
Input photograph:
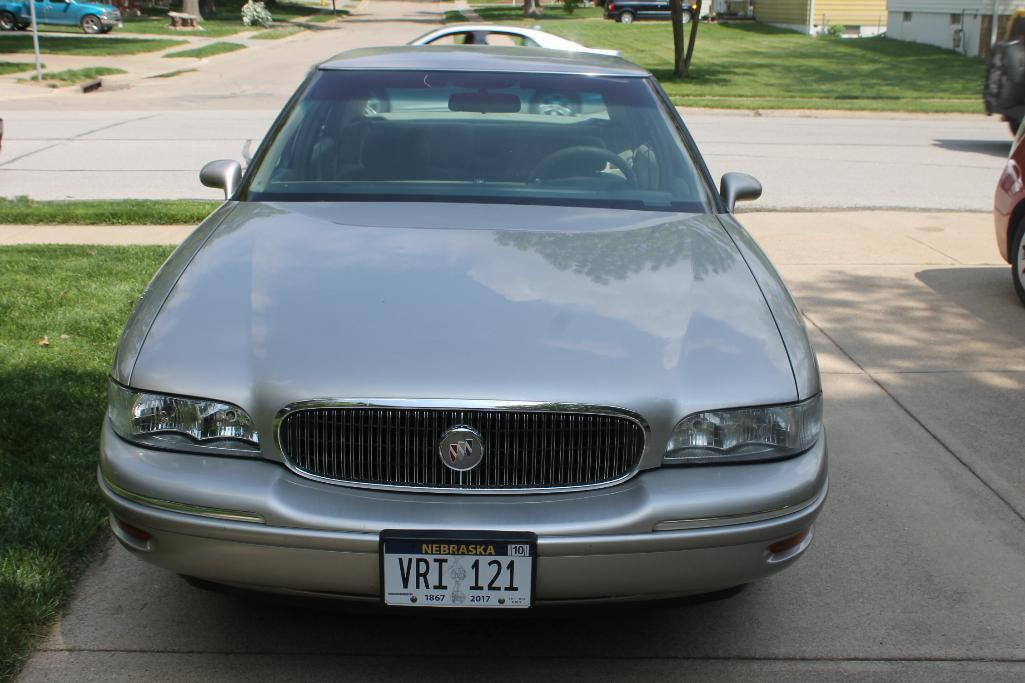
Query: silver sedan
(466, 349)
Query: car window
(451, 39)
(484, 137)
(504, 39)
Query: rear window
(480, 137)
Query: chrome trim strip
(185, 508)
(455, 404)
(746, 518)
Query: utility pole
(35, 39)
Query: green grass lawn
(25, 211)
(226, 21)
(51, 410)
(160, 25)
(326, 16)
(15, 67)
(754, 66)
(21, 43)
(57, 79)
(207, 50)
(277, 33)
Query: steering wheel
(582, 151)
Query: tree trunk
(530, 8)
(676, 15)
(695, 20)
(191, 7)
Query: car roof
(483, 58)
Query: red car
(1009, 214)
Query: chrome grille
(523, 449)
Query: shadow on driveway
(985, 292)
(996, 148)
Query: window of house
(955, 19)
(907, 17)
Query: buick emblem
(461, 449)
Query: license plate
(462, 569)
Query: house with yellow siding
(858, 17)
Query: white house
(962, 25)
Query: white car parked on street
(492, 34)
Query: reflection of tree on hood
(607, 256)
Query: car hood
(648, 311)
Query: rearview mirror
(224, 174)
(738, 187)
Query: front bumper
(666, 532)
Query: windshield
(479, 137)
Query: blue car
(92, 17)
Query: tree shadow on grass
(50, 509)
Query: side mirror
(738, 187)
(224, 174)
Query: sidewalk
(93, 234)
(793, 238)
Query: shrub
(256, 13)
(836, 30)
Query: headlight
(180, 423)
(746, 434)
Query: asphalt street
(803, 162)
(916, 569)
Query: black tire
(1013, 124)
(626, 18)
(107, 29)
(1017, 254)
(91, 24)
(8, 22)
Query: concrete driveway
(915, 572)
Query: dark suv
(626, 11)
(1004, 89)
